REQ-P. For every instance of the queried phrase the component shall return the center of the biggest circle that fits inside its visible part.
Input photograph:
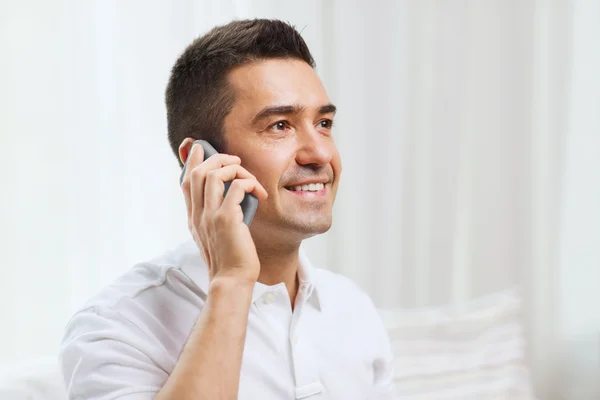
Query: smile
(311, 187)
(310, 191)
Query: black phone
(250, 202)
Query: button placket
(275, 311)
(305, 368)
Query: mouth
(309, 190)
(310, 187)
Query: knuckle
(233, 159)
(233, 168)
(197, 174)
(185, 185)
(223, 159)
(220, 218)
(235, 184)
(239, 184)
(212, 175)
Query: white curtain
(469, 133)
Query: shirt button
(269, 298)
(295, 339)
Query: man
(239, 312)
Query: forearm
(209, 365)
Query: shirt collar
(307, 278)
(189, 259)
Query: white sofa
(474, 351)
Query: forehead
(276, 82)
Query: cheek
(268, 170)
(336, 163)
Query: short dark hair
(198, 97)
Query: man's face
(280, 127)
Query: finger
(215, 184)
(238, 189)
(193, 183)
(196, 153)
(184, 181)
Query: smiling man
(238, 311)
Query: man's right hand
(216, 222)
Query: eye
(326, 123)
(280, 126)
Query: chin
(287, 231)
(291, 226)
(308, 227)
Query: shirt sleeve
(102, 357)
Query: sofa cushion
(474, 351)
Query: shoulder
(344, 295)
(158, 276)
(175, 276)
(151, 307)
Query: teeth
(311, 187)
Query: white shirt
(125, 341)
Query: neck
(279, 263)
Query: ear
(184, 149)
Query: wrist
(226, 285)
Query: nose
(314, 148)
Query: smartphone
(250, 202)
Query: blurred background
(469, 132)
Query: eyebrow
(290, 109)
(328, 109)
